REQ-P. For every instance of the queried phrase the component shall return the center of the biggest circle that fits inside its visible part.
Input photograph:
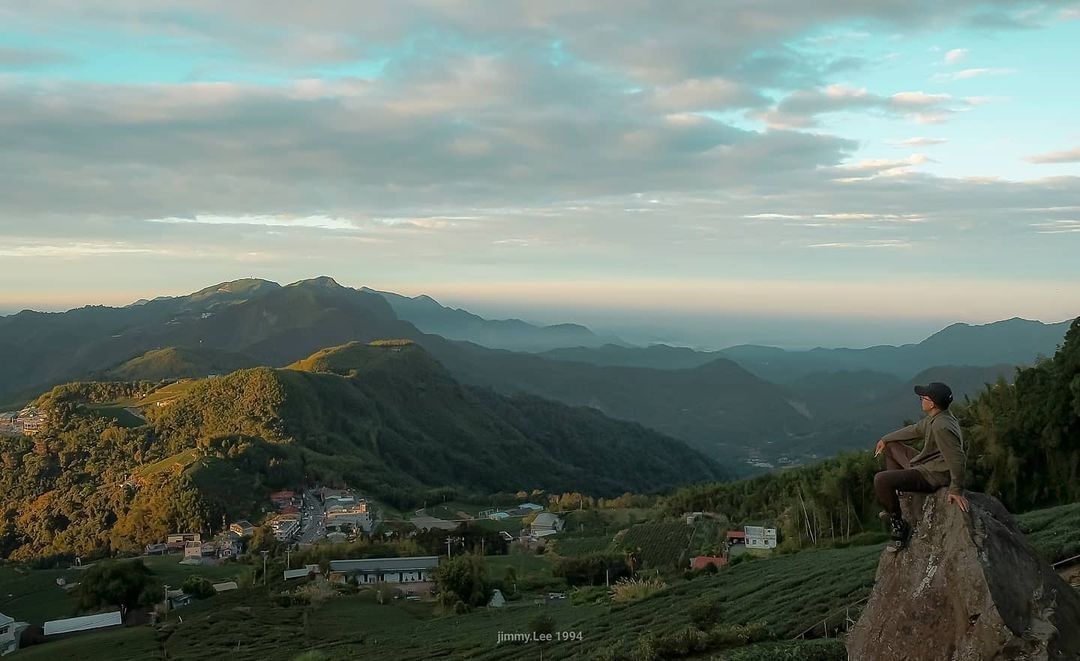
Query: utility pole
(166, 599)
(264, 554)
(448, 547)
(288, 563)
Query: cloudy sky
(795, 172)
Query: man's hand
(880, 448)
(958, 499)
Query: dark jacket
(942, 460)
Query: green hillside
(179, 363)
(392, 423)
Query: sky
(702, 172)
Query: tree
(463, 578)
(117, 583)
(198, 587)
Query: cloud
(965, 74)
(1063, 156)
(707, 94)
(497, 132)
(30, 58)
(917, 142)
(801, 108)
(955, 55)
(504, 138)
(1057, 227)
(20, 248)
(881, 243)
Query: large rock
(969, 587)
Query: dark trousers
(898, 476)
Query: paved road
(313, 527)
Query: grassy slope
(33, 596)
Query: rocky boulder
(969, 587)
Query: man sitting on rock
(940, 463)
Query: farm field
(659, 545)
(165, 393)
(1054, 531)
(790, 593)
(582, 545)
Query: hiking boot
(900, 531)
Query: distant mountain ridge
(1012, 341)
(430, 316)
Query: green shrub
(704, 611)
(592, 594)
(632, 589)
(541, 624)
(198, 587)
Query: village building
(84, 623)
(156, 549)
(199, 551)
(242, 528)
(10, 632)
(497, 599)
(387, 570)
(30, 420)
(183, 538)
(339, 517)
(303, 572)
(545, 523)
(703, 561)
(284, 526)
(760, 538)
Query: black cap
(938, 392)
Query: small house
(703, 561)
(183, 538)
(10, 631)
(545, 523)
(242, 528)
(759, 537)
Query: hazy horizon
(701, 328)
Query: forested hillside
(1022, 441)
(388, 420)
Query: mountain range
(744, 406)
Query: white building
(388, 570)
(545, 524)
(758, 537)
(10, 630)
(84, 623)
